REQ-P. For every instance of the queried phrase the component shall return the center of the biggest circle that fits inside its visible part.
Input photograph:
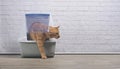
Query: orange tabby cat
(40, 38)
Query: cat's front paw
(44, 57)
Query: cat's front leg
(40, 44)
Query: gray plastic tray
(29, 49)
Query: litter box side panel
(30, 50)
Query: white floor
(61, 62)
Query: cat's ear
(58, 26)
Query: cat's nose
(58, 36)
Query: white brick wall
(86, 25)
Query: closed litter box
(29, 49)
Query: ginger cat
(40, 38)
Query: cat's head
(54, 32)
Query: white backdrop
(85, 25)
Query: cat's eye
(56, 33)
